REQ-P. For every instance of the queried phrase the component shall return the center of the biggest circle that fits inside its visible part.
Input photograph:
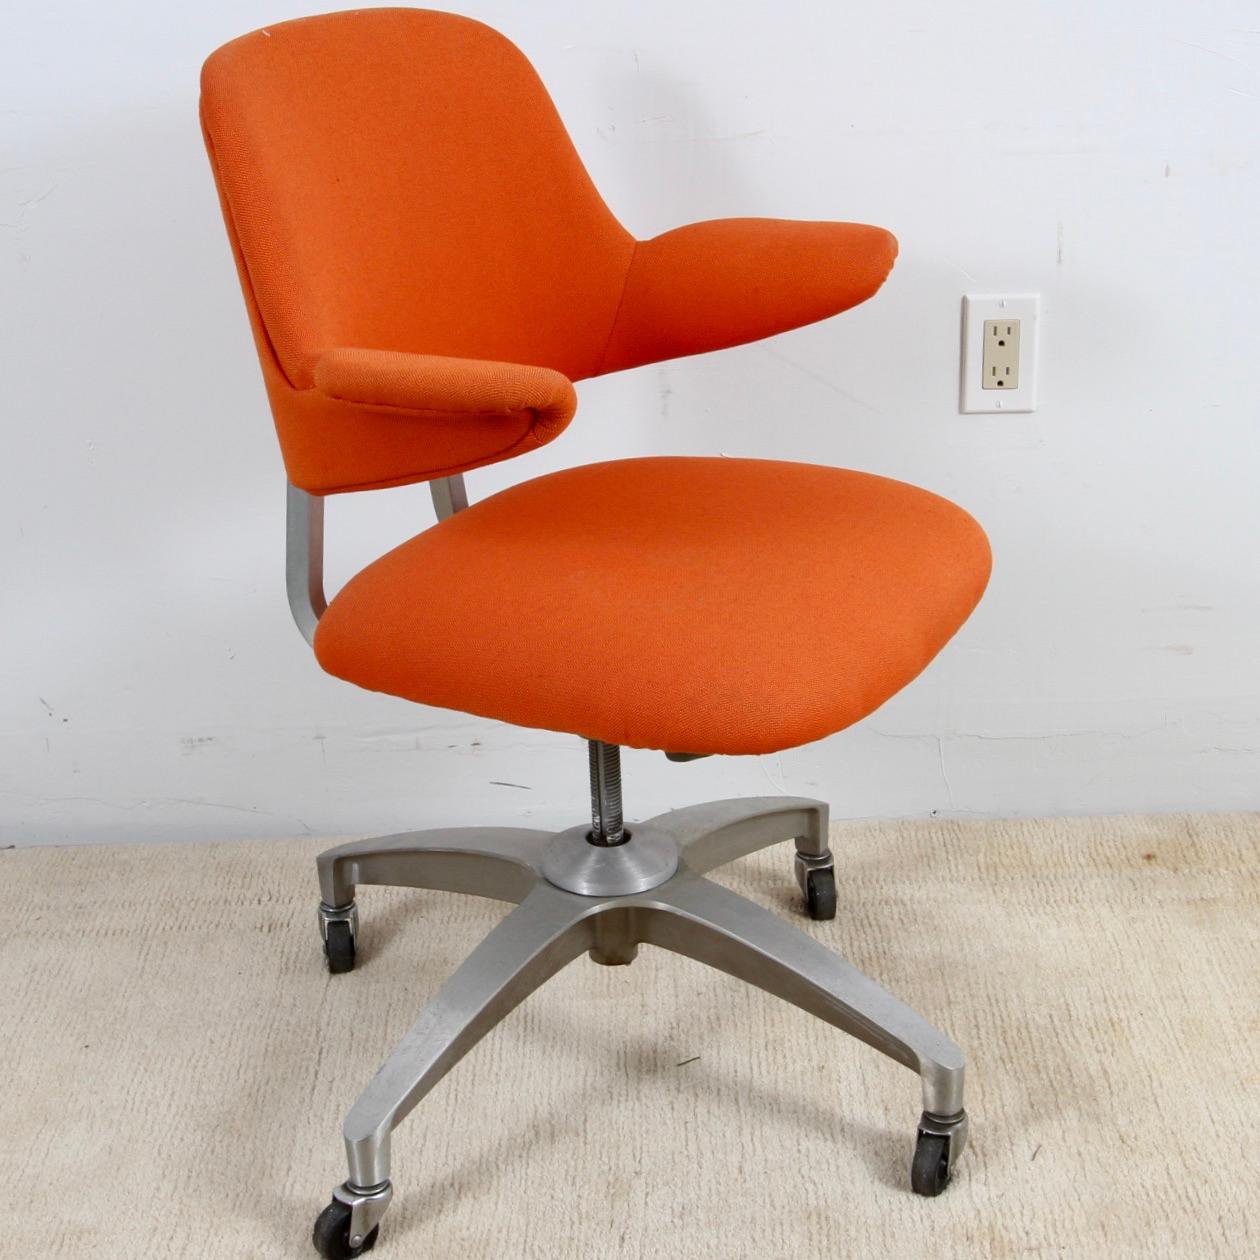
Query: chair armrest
(396, 381)
(729, 281)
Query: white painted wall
(1104, 154)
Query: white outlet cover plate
(976, 308)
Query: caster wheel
(339, 952)
(929, 1173)
(332, 1234)
(820, 893)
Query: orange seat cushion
(692, 605)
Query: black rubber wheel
(820, 893)
(339, 948)
(331, 1235)
(929, 1174)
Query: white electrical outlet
(1000, 360)
(999, 353)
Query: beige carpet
(175, 1062)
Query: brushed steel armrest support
(304, 546)
(304, 559)
(449, 495)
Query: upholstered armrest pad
(428, 383)
(729, 281)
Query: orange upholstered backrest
(399, 179)
(427, 266)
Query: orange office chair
(427, 269)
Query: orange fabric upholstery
(427, 267)
(427, 383)
(718, 284)
(694, 605)
(398, 180)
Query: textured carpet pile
(175, 1063)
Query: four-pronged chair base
(654, 895)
